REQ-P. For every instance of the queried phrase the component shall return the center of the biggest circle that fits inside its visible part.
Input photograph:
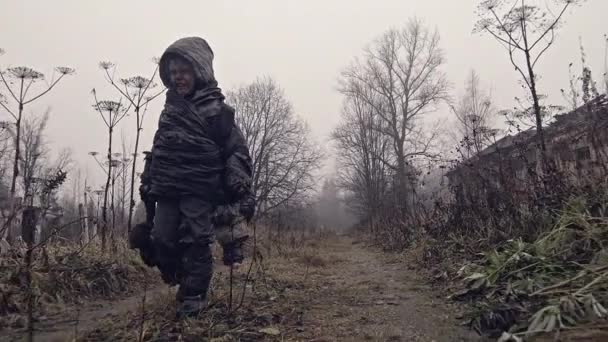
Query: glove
(247, 207)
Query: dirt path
(362, 296)
(74, 322)
(336, 290)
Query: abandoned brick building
(577, 144)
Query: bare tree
(18, 82)
(35, 161)
(284, 157)
(582, 87)
(361, 149)
(41, 173)
(112, 113)
(474, 113)
(401, 79)
(527, 31)
(136, 92)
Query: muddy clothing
(183, 231)
(198, 170)
(182, 235)
(198, 150)
(229, 222)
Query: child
(198, 174)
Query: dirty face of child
(182, 76)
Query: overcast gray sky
(302, 44)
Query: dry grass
(276, 299)
(321, 289)
(64, 276)
(310, 260)
(552, 284)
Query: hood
(198, 53)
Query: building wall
(577, 143)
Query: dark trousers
(182, 236)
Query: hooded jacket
(197, 150)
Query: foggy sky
(302, 44)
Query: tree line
(392, 154)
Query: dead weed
(63, 276)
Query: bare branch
(98, 107)
(151, 98)
(542, 52)
(8, 110)
(44, 92)
(552, 26)
(8, 87)
(512, 42)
